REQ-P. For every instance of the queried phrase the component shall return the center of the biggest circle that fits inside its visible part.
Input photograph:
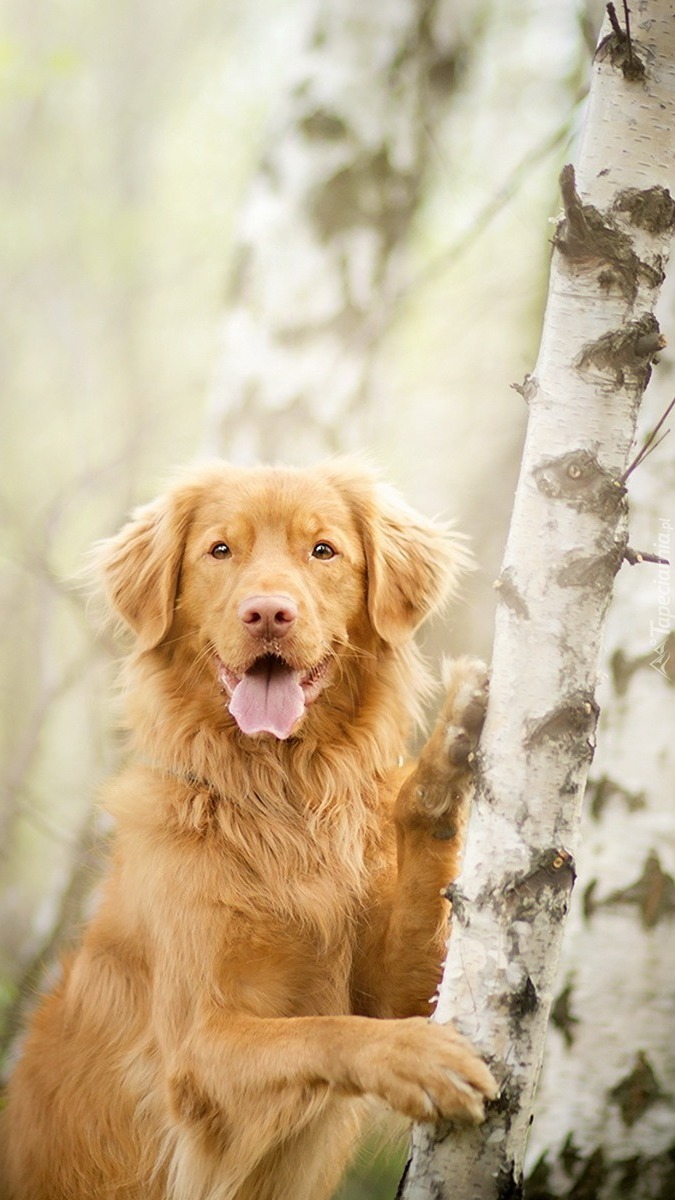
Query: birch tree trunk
(566, 542)
(318, 250)
(611, 1040)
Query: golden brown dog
(272, 926)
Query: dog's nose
(268, 617)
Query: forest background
(133, 133)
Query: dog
(272, 926)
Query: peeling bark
(566, 542)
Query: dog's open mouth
(270, 697)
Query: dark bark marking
(525, 1001)
(527, 389)
(653, 893)
(570, 783)
(625, 355)
(589, 239)
(594, 571)
(554, 869)
(575, 718)
(367, 193)
(665, 1165)
(509, 594)
(509, 1185)
(537, 1182)
(484, 792)
(584, 234)
(538, 1185)
(601, 791)
(324, 126)
(630, 1174)
(562, 1016)
(647, 1176)
(606, 279)
(505, 1103)
(652, 208)
(594, 1174)
(588, 902)
(624, 668)
(458, 902)
(445, 72)
(636, 1178)
(433, 1188)
(568, 724)
(401, 1183)
(570, 1156)
(577, 479)
(637, 1091)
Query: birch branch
(566, 543)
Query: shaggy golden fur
(273, 907)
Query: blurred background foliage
(130, 132)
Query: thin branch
(653, 447)
(632, 557)
(614, 22)
(622, 35)
(490, 210)
(649, 444)
(621, 48)
(626, 13)
(87, 859)
(374, 329)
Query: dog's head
(269, 577)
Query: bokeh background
(162, 170)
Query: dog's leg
(403, 949)
(244, 1085)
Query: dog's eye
(323, 550)
(220, 550)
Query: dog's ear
(413, 565)
(140, 567)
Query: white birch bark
(318, 249)
(611, 1040)
(566, 542)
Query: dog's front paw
(434, 793)
(425, 1071)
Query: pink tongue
(268, 699)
